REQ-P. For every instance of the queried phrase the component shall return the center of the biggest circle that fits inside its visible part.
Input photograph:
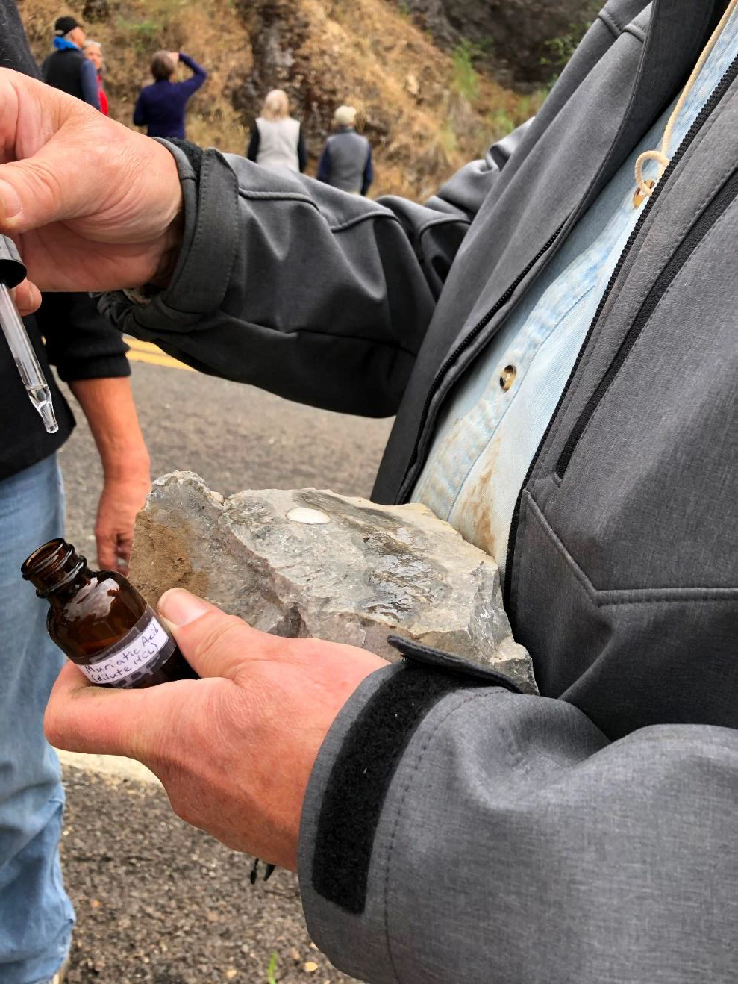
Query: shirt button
(507, 377)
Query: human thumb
(10, 202)
(42, 189)
(213, 643)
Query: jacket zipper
(693, 238)
(449, 361)
(646, 309)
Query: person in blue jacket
(67, 68)
(161, 106)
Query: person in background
(36, 916)
(276, 138)
(346, 161)
(93, 51)
(66, 68)
(161, 106)
(554, 332)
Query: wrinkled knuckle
(222, 633)
(98, 155)
(43, 179)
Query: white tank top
(278, 143)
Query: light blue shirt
(488, 434)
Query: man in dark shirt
(161, 106)
(67, 68)
(36, 916)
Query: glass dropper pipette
(12, 272)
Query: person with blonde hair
(276, 138)
(554, 332)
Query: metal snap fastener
(507, 377)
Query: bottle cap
(12, 270)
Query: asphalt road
(158, 901)
(234, 436)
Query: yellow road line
(157, 360)
(148, 352)
(143, 346)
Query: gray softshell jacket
(455, 831)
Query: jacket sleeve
(140, 116)
(198, 74)
(79, 341)
(292, 285)
(324, 165)
(455, 831)
(88, 80)
(368, 175)
(254, 140)
(301, 152)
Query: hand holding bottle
(235, 749)
(91, 204)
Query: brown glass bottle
(101, 622)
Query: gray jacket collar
(625, 73)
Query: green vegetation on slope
(426, 112)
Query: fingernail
(169, 626)
(10, 202)
(180, 607)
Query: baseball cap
(63, 25)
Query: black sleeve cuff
(201, 278)
(79, 342)
(111, 367)
(192, 152)
(367, 758)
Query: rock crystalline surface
(306, 562)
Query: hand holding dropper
(13, 272)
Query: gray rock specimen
(306, 562)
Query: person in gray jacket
(346, 161)
(555, 332)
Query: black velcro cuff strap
(362, 772)
(418, 653)
(192, 152)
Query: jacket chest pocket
(644, 481)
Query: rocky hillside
(426, 108)
(524, 42)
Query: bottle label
(141, 651)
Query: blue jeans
(36, 917)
